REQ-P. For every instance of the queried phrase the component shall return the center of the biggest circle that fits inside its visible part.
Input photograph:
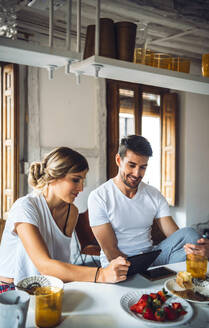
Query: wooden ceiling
(177, 27)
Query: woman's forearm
(68, 272)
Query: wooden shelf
(137, 73)
(25, 53)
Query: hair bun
(36, 172)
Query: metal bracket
(78, 77)
(67, 66)
(51, 69)
(98, 67)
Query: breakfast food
(189, 289)
(191, 295)
(153, 307)
(184, 280)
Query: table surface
(92, 305)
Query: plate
(132, 297)
(202, 288)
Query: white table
(92, 305)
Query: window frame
(10, 178)
(113, 103)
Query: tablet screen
(141, 262)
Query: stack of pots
(117, 40)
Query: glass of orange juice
(205, 65)
(48, 306)
(197, 265)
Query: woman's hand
(201, 249)
(116, 271)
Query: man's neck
(127, 191)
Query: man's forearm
(113, 253)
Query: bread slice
(184, 280)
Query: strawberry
(170, 313)
(153, 295)
(138, 307)
(163, 295)
(159, 314)
(133, 307)
(148, 313)
(178, 308)
(145, 298)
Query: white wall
(69, 110)
(197, 158)
(193, 205)
(62, 113)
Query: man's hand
(202, 248)
(116, 271)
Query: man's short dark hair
(136, 144)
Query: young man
(122, 210)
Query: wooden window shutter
(113, 109)
(9, 137)
(168, 164)
(1, 176)
(112, 126)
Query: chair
(156, 234)
(86, 242)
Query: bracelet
(95, 278)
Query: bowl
(31, 283)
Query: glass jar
(197, 265)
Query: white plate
(132, 297)
(171, 284)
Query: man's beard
(133, 185)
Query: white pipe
(97, 32)
(174, 36)
(51, 20)
(68, 24)
(78, 26)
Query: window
(150, 111)
(9, 139)
(151, 129)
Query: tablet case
(141, 262)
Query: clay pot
(107, 39)
(125, 40)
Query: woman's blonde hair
(56, 165)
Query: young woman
(38, 231)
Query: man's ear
(117, 159)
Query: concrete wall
(197, 156)
(193, 164)
(63, 113)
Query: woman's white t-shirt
(14, 260)
(131, 218)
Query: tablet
(141, 262)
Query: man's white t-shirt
(131, 218)
(14, 260)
